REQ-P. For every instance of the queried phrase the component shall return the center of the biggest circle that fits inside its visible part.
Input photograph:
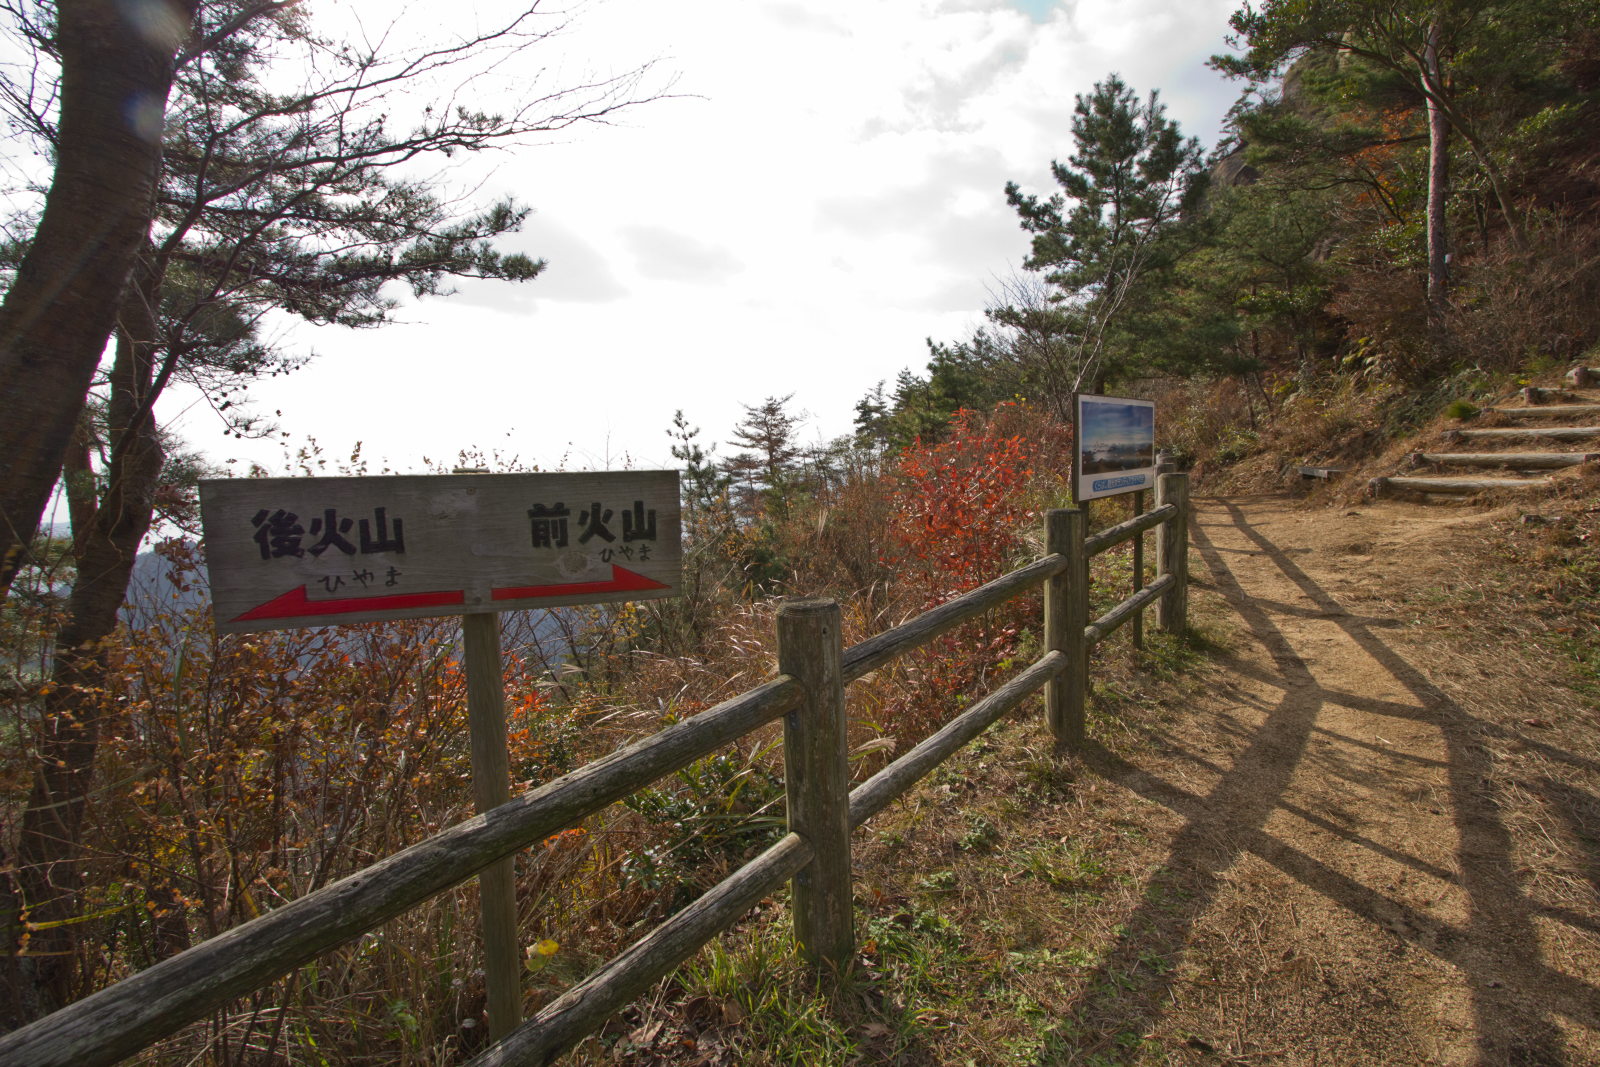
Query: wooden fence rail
(815, 855)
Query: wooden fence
(808, 694)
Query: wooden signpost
(289, 552)
(286, 552)
(1115, 453)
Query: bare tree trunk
(1438, 187)
(58, 313)
(1438, 98)
(49, 855)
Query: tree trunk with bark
(116, 71)
(49, 875)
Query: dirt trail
(1379, 828)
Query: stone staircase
(1550, 429)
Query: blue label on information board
(1102, 485)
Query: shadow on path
(1498, 938)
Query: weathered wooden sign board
(285, 552)
(1116, 446)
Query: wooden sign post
(1115, 450)
(1115, 453)
(288, 552)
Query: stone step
(1455, 485)
(1554, 411)
(1527, 433)
(1525, 460)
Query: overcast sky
(827, 193)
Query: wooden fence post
(817, 779)
(1172, 552)
(1066, 613)
(1136, 624)
(491, 787)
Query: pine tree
(1129, 182)
(766, 470)
(704, 486)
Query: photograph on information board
(1116, 446)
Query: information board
(1116, 446)
(285, 552)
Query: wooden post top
(808, 606)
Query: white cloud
(827, 193)
(669, 255)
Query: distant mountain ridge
(155, 586)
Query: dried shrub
(836, 548)
(1515, 309)
(1199, 415)
(1386, 309)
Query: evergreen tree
(873, 420)
(108, 64)
(1104, 238)
(1261, 277)
(1413, 124)
(680, 625)
(972, 375)
(764, 474)
(704, 486)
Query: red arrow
(295, 603)
(622, 581)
